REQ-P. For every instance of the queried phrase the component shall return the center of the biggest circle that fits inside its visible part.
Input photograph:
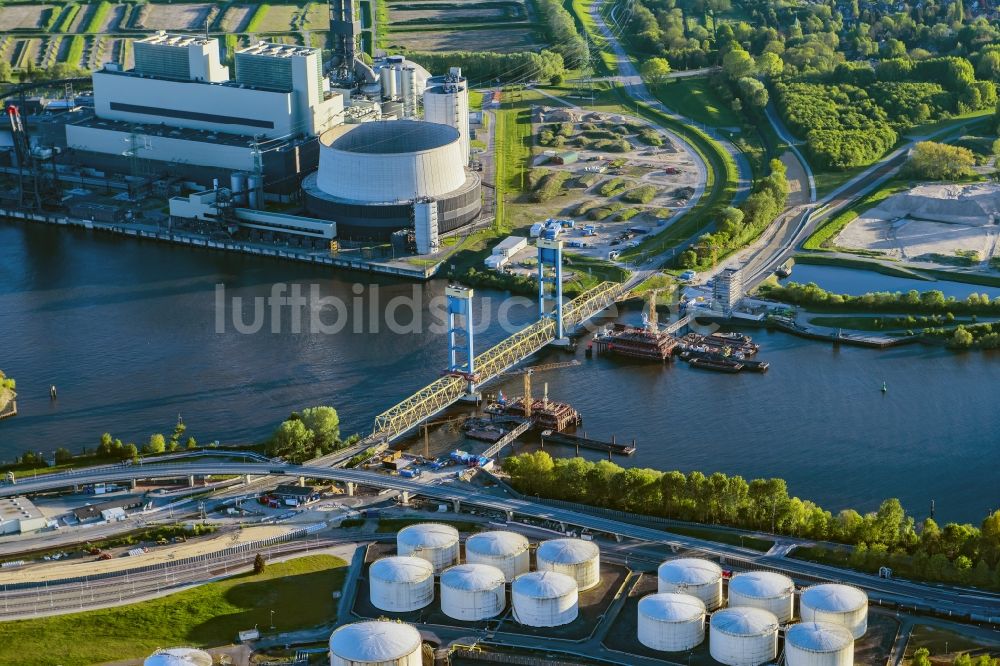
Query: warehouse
(18, 515)
(371, 174)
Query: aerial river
(134, 334)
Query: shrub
(641, 195)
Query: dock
(855, 339)
(8, 410)
(548, 436)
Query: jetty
(552, 437)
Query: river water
(129, 333)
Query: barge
(550, 437)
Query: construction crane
(652, 320)
(25, 161)
(426, 426)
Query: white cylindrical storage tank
(434, 542)
(544, 599)
(179, 657)
(671, 622)
(836, 604)
(574, 557)
(401, 584)
(375, 643)
(819, 644)
(473, 592)
(255, 185)
(690, 575)
(743, 636)
(765, 590)
(507, 551)
(238, 185)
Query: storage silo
(238, 186)
(446, 101)
(671, 622)
(544, 599)
(401, 584)
(836, 604)
(408, 90)
(434, 542)
(765, 590)
(180, 656)
(507, 551)
(375, 643)
(690, 575)
(743, 636)
(473, 592)
(819, 644)
(573, 557)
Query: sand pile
(971, 204)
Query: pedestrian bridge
(449, 389)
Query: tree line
(968, 553)
(485, 67)
(930, 302)
(311, 433)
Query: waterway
(856, 282)
(127, 331)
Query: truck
(409, 473)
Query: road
(637, 90)
(946, 599)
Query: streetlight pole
(272, 619)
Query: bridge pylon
(550, 285)
(461, 353)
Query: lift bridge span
(488, 365)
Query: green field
(692, 97)
(299, 592)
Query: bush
(651, 137)
(613, 187)
(640, 195)
(628, 214)
(605, 211)
(550, 186)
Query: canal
(129, 333)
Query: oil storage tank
(507, 551)
(819, 644)
(473, 592)
(544, 599)
(434, 542)
(180, 656)
(375, 643)
(671, 622)
(743, 636)
(766, 590)
(690, 575)
(573, 557)
(401, 584)
(371, 173)
(836, 604)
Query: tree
(324, 422)
(962, 338)
(292, 440)
(922, 657)
(737, 64)
(753, 92)
(192, 443)
(940, 161)
(259, 564)
(63, 455)
(129, 452)
(157, 444)
(656, 71)
(770, 65)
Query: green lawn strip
(971, 119)
(722, 536)
(257, 20)
(67, 17)
(860, 264)
(591, 271)
(98, 17)
(694, 98)
(75, 51)
(605, 64)
(827, 180)
(298, 591)
(396, 524)
(822, 238)
(981, 279)
(398, 29)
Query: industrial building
(106, 510)
(446, 101)
(579, 559)
(743, 636)
(401, 584)
(765, 590)
(376, 643)
(373, 176)
(435, 542)
(671, 622)
(688, 575)
(472, 592)
(18, 515)
(507, 551)
(727, 290)
(545, 599)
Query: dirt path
(798, 180)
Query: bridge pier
(618, 538)
(302, 482)
(247, 479)
(562, 527)
(134, 484)
(191, 481)
(405, 498)
(457, 505)
(350, 488)
(510, 515)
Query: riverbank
(8, 404)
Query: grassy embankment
(822, 238)
(898, 324)
(257, 20)
(98, 17)
(602, 59)
(298, 591)
(860, 264)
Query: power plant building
(371, 175)
(446, 101)
(180, 106)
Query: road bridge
(977, 604)
(449, 389)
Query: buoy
(52, 392)
(885, 387)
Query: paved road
(942, 598)
(636, 89)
